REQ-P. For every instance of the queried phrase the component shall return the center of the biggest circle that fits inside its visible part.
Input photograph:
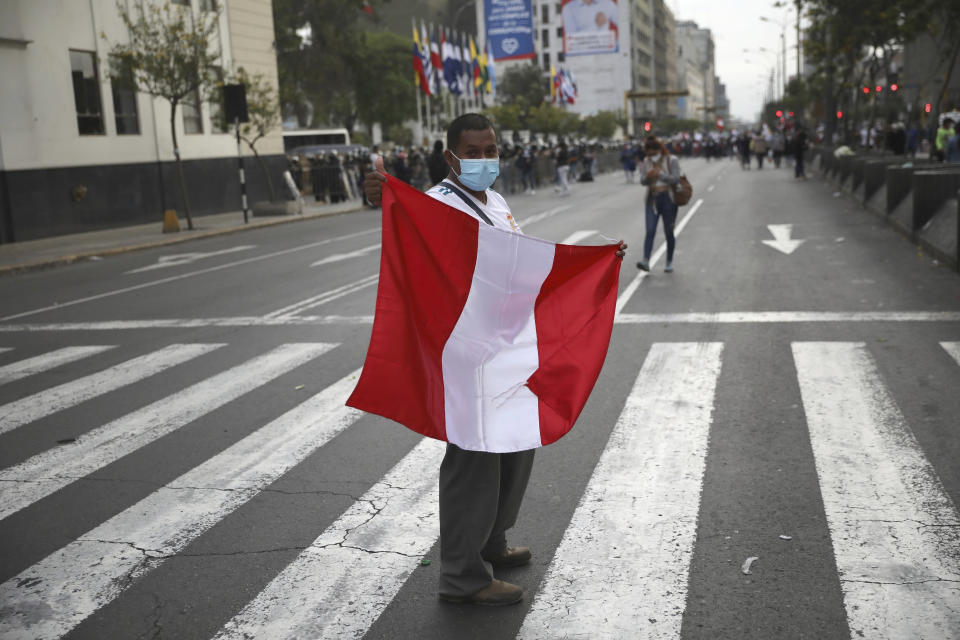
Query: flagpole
(417, 89)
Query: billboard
(589, 26)
(509, 28)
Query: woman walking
(659, 172)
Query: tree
(549, 118)
(173, 55)
(383, 83)
(322, 59)
(602, 124)
(263, 113)
(524, 86)
(507, 116)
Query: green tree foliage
(670, 126)
(524, 86)
(549, 118)
(332, 70)
(175, 55)
(601, 125)
(507, 116)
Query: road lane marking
(47, 361)
(72, 583)
(46, 472)
(190, 274)
(782, 241)
(339, 257)
(895, 530)
(543, 215)
(44, 403)
(630, 580)
(342, 582)
(577, 236)
(953, 348)
(323, 298)
(179, 259)
(721, 317)
(624, 297)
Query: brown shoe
(496, 594)
(511, 557)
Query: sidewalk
(47, 252)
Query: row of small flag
(460, 67)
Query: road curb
(15, 269)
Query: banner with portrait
(590, 26)
(509, 28)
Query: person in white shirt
(480, 492)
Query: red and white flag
(484, 338)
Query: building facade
(695, 47)
(83, 149)
(664, 57)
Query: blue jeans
(659, 205)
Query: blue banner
(509, 28)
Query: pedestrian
(436, 164)
(743, 146)
(951, 151)
(940, 142)
(480, 492)
(659, 172)
(759, 148)
(913, 139)
(799, 148)
(627, 161)
(563, 170)
(528, 178)
(777, 144)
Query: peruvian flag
(487, 339)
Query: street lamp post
(783, 52)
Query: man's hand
(373, 183)
(621, 249)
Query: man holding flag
(455, 274)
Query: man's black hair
(466, 122)
(438, 146)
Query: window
(546, 61)
(218, 122)
(185, 3)
(560, 56)
(546, 38)
(192, 118)
(86, 92)
(545, 13)
(208, 5)
(560, 32)
(124, 89)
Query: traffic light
(926, 107)
(839, 115)
(646, 126)
(790, 113)
(779, 113)
(894, 86)
(879, 88)
(866, 89)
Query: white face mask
(655, 158)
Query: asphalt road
(176, 460)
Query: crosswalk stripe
(69, 394)
(893, 526)
(953, 348)
(343, 581)
(644, 497)
(54, 595)
(46, 361)
(53, 469)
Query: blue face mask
(478, 175)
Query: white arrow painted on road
(337, 257)
(782, 241)
(187, 258)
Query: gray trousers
(480, 496)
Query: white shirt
(581, 16)
(496, 207)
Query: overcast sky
(737, 26)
